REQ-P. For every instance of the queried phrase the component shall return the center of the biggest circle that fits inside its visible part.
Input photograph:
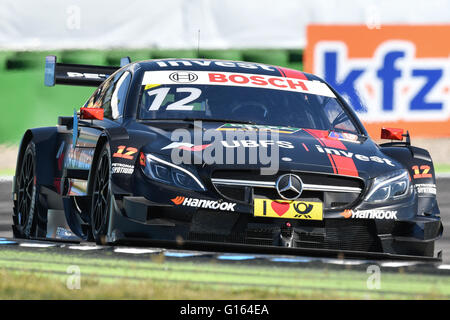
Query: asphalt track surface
(443, 189)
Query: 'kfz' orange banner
(394, 76)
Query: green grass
(7, 172)
(442, 168)
(39, 274)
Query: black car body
(116, 179)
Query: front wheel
(101, 196)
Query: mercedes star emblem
(289, 186)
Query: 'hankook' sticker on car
(370, 214)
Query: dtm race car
(211, 152)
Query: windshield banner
(154, 78)
(393, 76)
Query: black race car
(203, 152)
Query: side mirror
(91, 113)
(392, 133)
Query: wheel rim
(25, 192)
(100, 194)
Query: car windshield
(298, 104)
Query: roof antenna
(198, 43)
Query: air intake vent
(336, 192)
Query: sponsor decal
(210, 63)
(186, 146)
(256, 127)
(347, 214)
(421, 172)
(242, 80)
(229, 147)
(398, 72)
(352, 155)
(428, 188)
(370, 214)
(304, 210)
(203, 203)
(86, 75)
(183, 76)
(122, 168)
(129, 154)
(230, 144)
(254, 144)
(162, 96)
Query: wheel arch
(45, 140)
(420, 166)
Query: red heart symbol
(280, 208)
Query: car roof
(223, 66)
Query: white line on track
(444, 267)
(136, 250)
(293, 259)
(184, 254)
(398, 264)
(85, 248)
(345, 262)
(37, 245)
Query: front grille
(209, 225)
(333, 234)
(307, 177)
(333, 197)
(341, 234)
(250, 238)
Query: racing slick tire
(29, 212)
(101, 196)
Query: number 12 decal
(127, 155)
(424, 174)
(180, 105)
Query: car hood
(225, 146)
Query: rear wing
(77, 74)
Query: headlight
(166, 172)
(392, 186)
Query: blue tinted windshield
(244, 104)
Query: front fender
(421, 169)
(125, 146)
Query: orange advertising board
(394, 76)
